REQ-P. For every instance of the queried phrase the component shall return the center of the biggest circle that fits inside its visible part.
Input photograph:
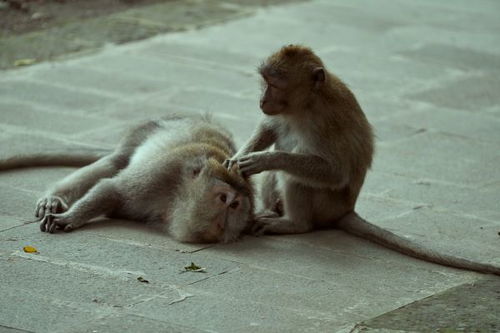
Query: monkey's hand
(254, 163)
(230, 162)
(48, 205)
(64, 221)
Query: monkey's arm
(64, 193)
(313, 170)
(102, 199)
(264, 136)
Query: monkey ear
(319, 76)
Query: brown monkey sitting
(167, 171)
(323, 147)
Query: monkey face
(272, 101)
(216, 207)
(289, 77)
(231, 211)
(274, 86)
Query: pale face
(214, 211)
(232, 211)
(214, 206)
(228, 227)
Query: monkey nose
(227, 197)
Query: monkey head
(290, 76)
(216, 205)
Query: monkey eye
(223, 198)
(234, 205)
(196, 172)
(276, 82)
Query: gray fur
(159, 173)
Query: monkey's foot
(267, 213)
(64, 221)
(278, 225)
(263, 224)
(262, 221)
(49, 205)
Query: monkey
(323, 146)
(167, 171)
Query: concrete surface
(427, 75)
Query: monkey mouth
(272, 112)
(269, 113)
(280, 107)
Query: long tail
(354, 224)
(72, 159)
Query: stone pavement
(427, 75)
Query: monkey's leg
(73, 187)
(297, 213)
(103, 198)
(272, 204)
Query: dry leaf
(30, 249)
(24, 62)
(141, 279)
(194, 268)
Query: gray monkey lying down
(168, 171)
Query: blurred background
(46, 29)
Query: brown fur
(323, 148)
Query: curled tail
(355, 225)
(72, 159)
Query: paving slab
(27, 116)
(55, 97)
(221, 314)
(454, 310)
(471, 162)
(426, 78)
(118, 323)
(13, 204)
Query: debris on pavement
(143, 280)
(30, 249)
(195, 268)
